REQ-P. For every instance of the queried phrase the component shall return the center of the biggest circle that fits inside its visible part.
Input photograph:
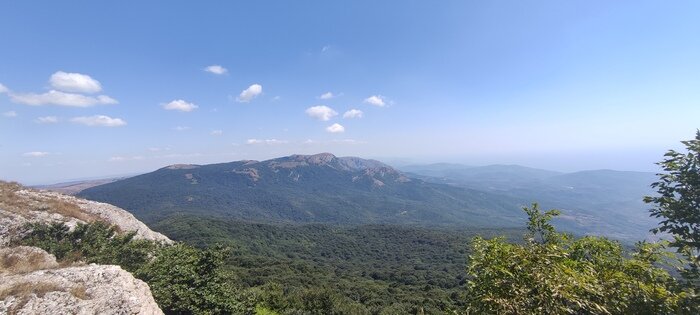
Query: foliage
(558, 274)
(678, 205)
(92, 243)
(375, 269)
(183, 279)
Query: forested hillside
(318, 188)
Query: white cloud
(10, 114)
(250, 93)
(265, 141)
(376, 100)
(181, 128)
(348, 141)
(99, 121)
(327, 96)
(125, 158)
(178, 155)
(180, 105)
(335, 128)
(216, 132)
(331, 142)
(216, 69)
(321, 112)
(36, 154)
(68, 90)
(54, 97)
(74, 82)
(276, 98)
(46, 120)
(353, 113)
(325, 48)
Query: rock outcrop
(90, 289)
(20, 205)
(33, 282)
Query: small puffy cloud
(10, 114)
(327, 96)
(321, 112)
(59, 98)
(125, 158)
(68, 89)
(74, 82)
(216, 69)
(181, 128)
(376, 100)
(36, 154)
(348, 141)
(335, 128)
(180, 105)
(216, 132)
(250, 93)
(265, 141)
(353, 113)
(46, 120)
(99, 121)
(335, 141)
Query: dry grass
(80, 292)
(23, 259)
(26, 289)
(23, 291)
(69, 210)
(11, 201)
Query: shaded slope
(305, 188)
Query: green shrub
(183, 279)
(552, 273)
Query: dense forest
(378, 266)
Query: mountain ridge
(318, 188)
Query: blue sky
(564, 85)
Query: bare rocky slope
(32, 282)
(20, 205)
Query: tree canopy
(554, 273)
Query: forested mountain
(319, 188)
(604, 202)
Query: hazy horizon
(98, 89)
(392, 161)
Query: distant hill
(74, 187)
(496, 177)
(598, 201)
(319, 188)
